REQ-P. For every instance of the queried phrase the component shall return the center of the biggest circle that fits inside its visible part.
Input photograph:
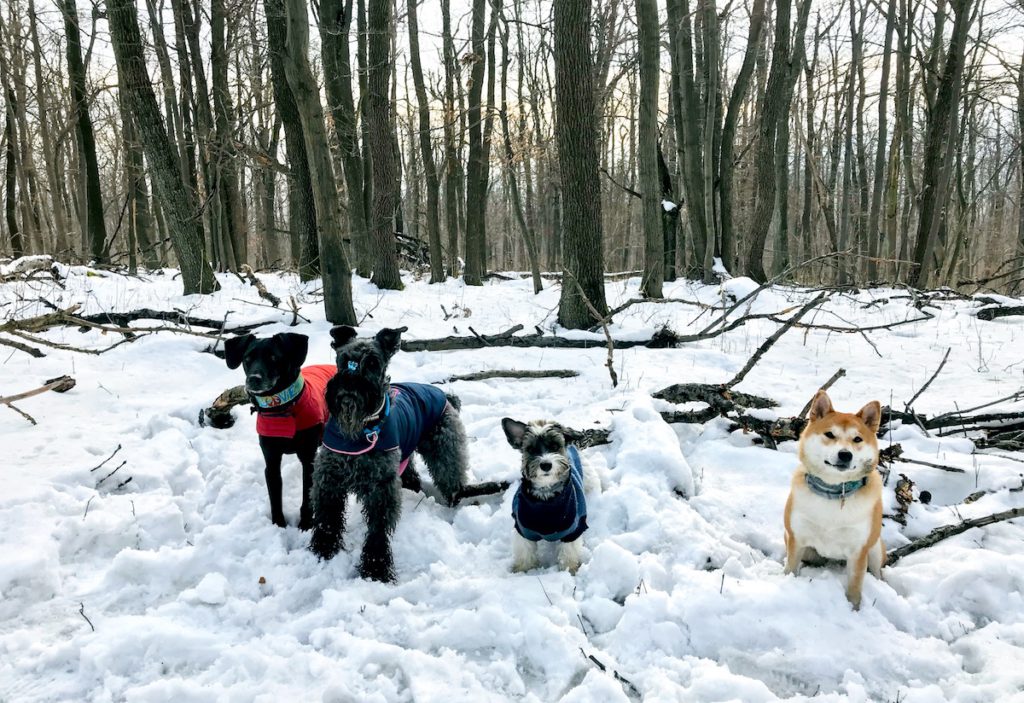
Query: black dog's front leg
(382, 505)
(272, 457)
(307, 442)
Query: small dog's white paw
(569, 556)
(524, 554)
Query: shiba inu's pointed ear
(295, 346)
(389, 339)
(235, 348)
(341, 335)
(871, 415)
(514, 431)
(821, 406)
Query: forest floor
(176, 586)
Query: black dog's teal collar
(834, 491)
(278, 399)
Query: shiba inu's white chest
(837, 529)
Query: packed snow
(176, 586)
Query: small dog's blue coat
(415, 408)
(560, 519)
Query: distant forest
(843, 142)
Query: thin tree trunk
(451, 159)
(875, 233)
(475, 239)
(650, 74)
(235, 233)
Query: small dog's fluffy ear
(235, 348)
(389, 339)
(871, 415)
(820, 406)
(295, 346)
(514, 431)
(341, 335)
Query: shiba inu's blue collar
(563, 518)
(834, 491)
(278, 399)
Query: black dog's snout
(545, 466)
(845, 456)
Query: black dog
(373, 430)
(291, 406)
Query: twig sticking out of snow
(58, 385)
(603, 321)
(631, 690)
(910, 403)
(828, 384)
(81, 611)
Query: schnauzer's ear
(295, 346)
(331, 396)
(389, 339)
(871, 415)
(514, 431)
(341, 335)
(235, 348)
(820, 406)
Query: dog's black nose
(845, 456)
(545, 466)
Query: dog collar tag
(352, 367)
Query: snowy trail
(682, 596)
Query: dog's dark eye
(858, 440)
(371, 364)
(830, 435)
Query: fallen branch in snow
(662, 339)
(112, 454)
(603, 324)
(31, 351)
(485, 488)
(653, 301)
(941, 533)
(910, 403)
(57, 385)
(218, 415)
(894, 452)
(989, 314)
(511, 373)
(631, 690)
(828, 384)
(81, 611)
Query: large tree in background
(179, 205)
(337, 275)
(650, 183)
(382, 151)
(93, 224)
(576, 134)
(475, 244)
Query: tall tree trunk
(1020, 155)
(335, 29)
(95, 227)
(709, 25)
(235, 233)
(11, 180)
(740, 88)
(475, 246)
(136, 193)
(451, 157)
(939, 147)
(180, 206)
(302, 215)
(875, 233)
(576, 133)
(337, 275)
(650, 190)
(382, 152)
(426, 150)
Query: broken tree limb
(261, 289)
(511, 373)
(662, 339)
(910, 403)
(946, 531)
(989, 314)
(828, 384)
(57, 385)
(770, 342)
(603, 323)
(218, 415)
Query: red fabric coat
(309, 410)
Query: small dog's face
(270, 364)
(840, 447)
(357, 390)
(545, 460)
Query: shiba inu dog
(835, 501)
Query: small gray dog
(550, 504)
(368, 442)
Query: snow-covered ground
(195, 596)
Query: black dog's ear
(235, 348)
(514, 431)
(341, 335)
(295, 346)
(389, 339)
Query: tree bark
(179, 205)
(650, 190)
(95, 229)
(875, 233)
(576, 134)
(475, 246)
(451, 158)
(337, 275)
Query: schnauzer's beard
(353, 401)
(546, 484)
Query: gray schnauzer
(368, 442)
(550, 504)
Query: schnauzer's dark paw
(377, 569)
(278, 520)
(324, 544)
(305, 520)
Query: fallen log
(60, 384)
(989, 314)
(662, 339)
(946, 531)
